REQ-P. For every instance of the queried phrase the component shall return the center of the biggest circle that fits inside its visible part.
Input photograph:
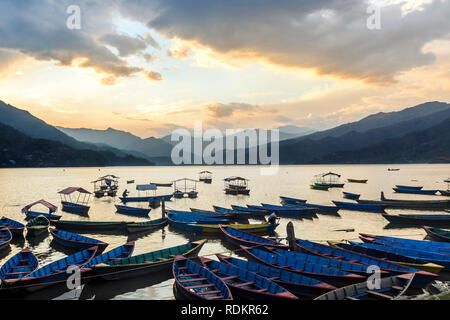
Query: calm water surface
(19, 187)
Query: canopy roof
(185, 179)
(52, 207)
(205, 172)
(146, 187)
(110, 176)
(330, 174)
(235, 178)
(71, 190)
(103, 179)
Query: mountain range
(379, 138)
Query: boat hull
(139, 212)
(75, 208)
(146, 226)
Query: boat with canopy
(236, 185)
(34, 214)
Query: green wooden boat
(37, 226)
(319, 187)
(144, 264)
(134, 227)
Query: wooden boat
(253, 211)
(237, 214)
(15, 227)
(5, 238)
(298, 284)
(130, 181)
(390, 289)
(409, 204)
(195, 282)
(423, 245)
(75, 208)
(351, 196)
(146, 263)
(288, 200)
(388, 256)
(97, 226)
(201, 214)
(332, 276)
(408, 187)
(132, 211)
(329, 179)
(260, 228)
(183, 218)
(319, 187)
(445, 193)
(346, 266)
(205, 176)
(20, 265)
(427, 192)
(320, 208)
(359, 207)
(55, 272)
(33, 214)
(37, 226)
(78, 206)
(240, 237)
(419, 219)
(289, 211)
(393, 169)
(160, 184)
(167, 197)
(236, 185)
(421, 280)
(124, 251)
(135, 227)
(246, 284)
(77, 241)
(357, 180)
(436, 258)
(438, 234)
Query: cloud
(126, 45)
(328, 36)
(153, 76)
(220, 110)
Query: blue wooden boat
(332, 276)
(20, 265)
(212, 214)
(240, 237)
(50, 217)
(134, 227)
(426, 192)
(146, 263)
(195, 282)
(15, 227)
(77, 241)
(5, 238)
(121, 252)
(408, 187)
(390, 288)
(166, 197)
(346, 266)
(246, 284)
(359, 207)
(202, 214)
(132, 211)
(55, 272)
(75, 208)
(351, 196)
(439, 259)
(423, 245)
(288, 200)
(256, 212)
(422, 277)
(296, 283)
(78, 206)
(34, 214)
(183, 218)
(440, 220)
(290, 211)
(321, 209)
(388, 256)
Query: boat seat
(208, 292)
(274, 278)
(354, 261)
(215, 270)
(340, 257)
(229, 278)
(206, 285)
(193, 280)
(16, 273)
(324, 254)
(182, 268)
(261, 290)
(244, 284)
(380, 295)
(352, 298)
(23, 261)
(397, 288)
(25, 266)
(188, 275)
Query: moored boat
(146, 263)
(408, 187)
(411, 191)
(37, 226)
(289, 211)
(298, 284)
(351, 196)
(408, 204)
(288, 200)
(5, 238)
(260, 228)
(316, 186)
(97, 226)
(15, 227)
(359, 207)
(176, 219)
(239, 237)
(78, 206)
(34, 214)
(166, 197)
(132, 211)
(55, 272)
(77, 241)
(357, 180)
(20, 265)
(195, 282)
(438, 234)
(246, 284)
(419, 219)
(135, 227)
(121, 252)
(390, 288)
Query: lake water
(19, 187)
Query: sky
(151, 66)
